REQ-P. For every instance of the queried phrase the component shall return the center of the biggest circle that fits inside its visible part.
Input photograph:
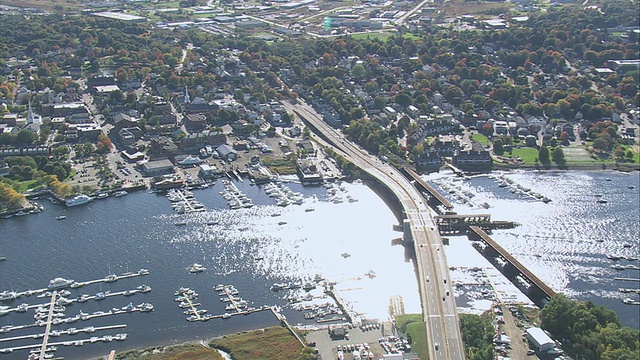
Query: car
(436, 345)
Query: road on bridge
(436, 294)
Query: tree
(543, 154)
(498, 146)
(558, 155)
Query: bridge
(454, 224)
(437, 302)
(434, 198)
(537, 286)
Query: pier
(110, 278)
(285, 323)
(340, 303)
(50, 314)
(434, 198)
(536, 286)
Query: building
(157, 167)
(308, 171)
(539, 340)
(476, 157)
(227, 153)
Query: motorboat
(111, 278)
(59, 283)
(102, 195)
(61, 217)
(196, 268)
(8, 295)
(78, 200)
(145, 307)
(120, 193)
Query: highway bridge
(436, 293)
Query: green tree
(543, 154)
(498, 146)
(557, 155)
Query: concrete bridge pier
(406, 232)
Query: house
(307, 146)
(445, 145)
(475, 157)
(162, 147)
(207, 171)
(428, 159)
(226, 152)
(122, 120)
(195, 121)
(128, 136)
(308, 171)
(194, 142)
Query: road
(404, 17)
(437, 302)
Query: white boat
(120, 193)
(59, 283)
(61, 217)
(78, 200)
(102, 195)
(196, 268)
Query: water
(117, 235)
(563, 242)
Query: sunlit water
(350, 242)
(564, 242)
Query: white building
(539, 339)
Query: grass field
(384, 35)
(178, 352)
(412, 326)
(274, 343)
(481, 139)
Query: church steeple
(30, 117)
(187, 99)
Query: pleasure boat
(8, 295)
(78, 200)
(196, 268)
(61, 217)
(102, 195)
(120, 193)
(59, 283)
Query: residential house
(476, 157)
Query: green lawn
(481, 139)
(412, 326)
(26, 185)
(527, 154)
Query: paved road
(437, 301)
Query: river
(349, 242)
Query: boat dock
(341, 305)
(184, 201)
(50, 314)
(75, 285)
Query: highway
(436, 294)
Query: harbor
(247, 248)
(53, 315)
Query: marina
(143, 234)
(52, 315)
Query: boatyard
(53, 314)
